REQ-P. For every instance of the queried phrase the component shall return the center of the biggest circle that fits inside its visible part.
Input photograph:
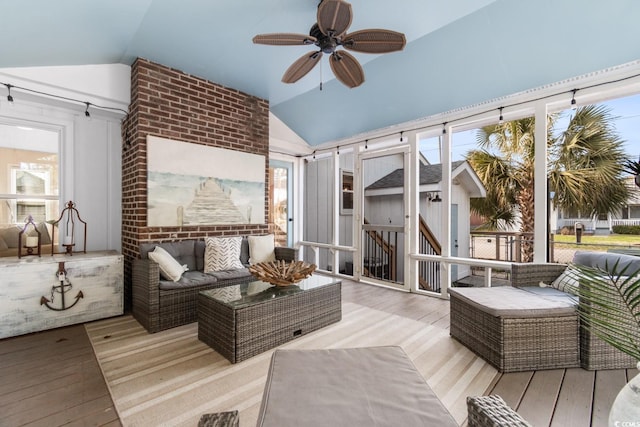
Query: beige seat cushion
(506, 301)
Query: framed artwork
(193, 184)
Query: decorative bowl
(282, 273)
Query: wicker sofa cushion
(606, 261)
(237, 273)
(183, 251)
(189, 279)
(511, 302)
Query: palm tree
(586, 164)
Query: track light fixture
(51, 95)
(9, 97)
(366, 144)
(574, 106)
(401, 136)
(314, 155)
(501, 119)
(338, 150)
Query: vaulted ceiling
(458, 53)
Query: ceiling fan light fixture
(327, 34)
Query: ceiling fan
(328, 33)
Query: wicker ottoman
(515, 330)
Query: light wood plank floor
(52, 378)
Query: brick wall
(169, 103)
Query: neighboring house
(602, 223)
(383, 204)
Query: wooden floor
(52, 378)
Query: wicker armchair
(595, 354)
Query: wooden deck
(52, 378)
(559, 397)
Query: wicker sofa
(162, 304)
(530, 327)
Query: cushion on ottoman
(513, 302)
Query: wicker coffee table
(241, 321)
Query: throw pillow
(10, 235)
(170, 269)
(262, 248)
(567, 281)
(222, 253)
(45, 239)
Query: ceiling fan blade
(347, 69)
(334, 17)
(301, 67)
(374, 41)
(284, 39)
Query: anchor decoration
(64, 287)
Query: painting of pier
(193, 184)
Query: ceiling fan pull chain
(320, 75)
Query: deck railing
(499, 245)
(379, 251)
(428, 271)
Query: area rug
(172, 379)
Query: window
(28, 174)
(346, 198)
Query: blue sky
(627, 122)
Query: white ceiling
(459, 52)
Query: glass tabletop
(246, 294)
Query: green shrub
(626, 229)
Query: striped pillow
(222, 253)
